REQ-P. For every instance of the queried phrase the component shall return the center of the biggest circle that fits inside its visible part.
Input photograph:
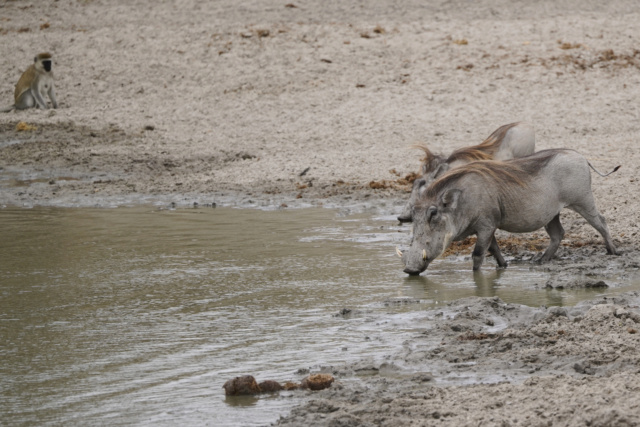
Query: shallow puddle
(139, 315)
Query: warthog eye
(432, 212)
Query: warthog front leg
(484, 241)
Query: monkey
(36, 81)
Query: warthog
(505, 143)
(519, 196)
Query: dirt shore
(518, 366)
(289, 104)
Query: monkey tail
(604, 174)
(7, 109)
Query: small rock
(596, 284)
(621, 313)
(583, 368)
(422, 377)
(270, 386)
(291, 386)
(344, 312)
(557, 312)
(317, 382)
(239, 386)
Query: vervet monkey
(34, 83)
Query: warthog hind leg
(494, 250)
(597, 221)
(556, 233)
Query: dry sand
(284, 104)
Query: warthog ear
(441, 169)
(419, 182)
(450, 198)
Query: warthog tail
(604, 174)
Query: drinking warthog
(519, 196)
(505, 143)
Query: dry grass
(402, 183)
(584, 60)
(25, 127)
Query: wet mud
(476, 360)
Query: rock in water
(239, 386)
(291, 386)
(317, 382)
(270, 386)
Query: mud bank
(480, 361)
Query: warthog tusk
(399, 252)
(424, 254)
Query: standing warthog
(519, 196)
(505, 143)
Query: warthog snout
(413, 272)
(416, 267)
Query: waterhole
(139, 315)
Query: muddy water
(139, 315)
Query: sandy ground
(284, 104)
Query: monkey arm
(52, 97)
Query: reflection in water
(241, 401)
(485, 284)
(138, 316)
(447, 280)
(478, 283)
